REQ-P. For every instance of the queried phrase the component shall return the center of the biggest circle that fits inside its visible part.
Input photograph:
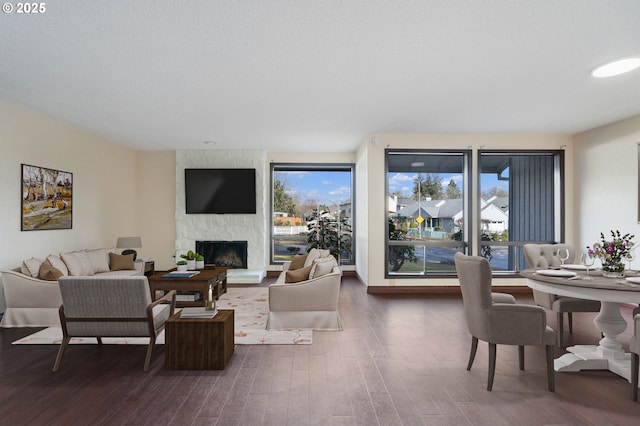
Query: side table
(149, 267)
(199, 343)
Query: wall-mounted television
(220, 191)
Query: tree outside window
(312, 207)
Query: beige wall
(118, 191)
(606, 179)
(375, 160)
(156, 206)
(104, 192)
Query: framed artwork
(47, 196)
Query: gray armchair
(111, 307)
(545, 256)
(500, 323)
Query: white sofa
(34, 302)
(308, 304)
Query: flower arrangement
(613, 253)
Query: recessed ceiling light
(417, 164)
(210, 143)
(617, 67)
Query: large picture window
(312, 206)
(520, 202)
(428, 211)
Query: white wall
(361, 233)
(104, 192)
(252, 228)
(375, 161)
(606, 177)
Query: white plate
(556, 273)
(635, 280)
(575, 267)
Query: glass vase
(613, 270)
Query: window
(520, 202)
(428, 211)
(312, 205)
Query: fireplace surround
(231, 254)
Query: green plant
(181, 262)
(191, 255)
(199, 257)
(398, 255)
(329, 233)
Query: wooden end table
(199, 343)
(214, 277)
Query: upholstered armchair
(500, 323)
(111, 307)
(545, 256)
(309, 304)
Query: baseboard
(441, 290)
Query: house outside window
(307, 202)
(520, 202)
(427, 213)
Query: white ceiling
(319, 75)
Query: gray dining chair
(500, 323)
(634, 348)
(545, 256)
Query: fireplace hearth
(231, 254)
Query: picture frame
(46, 198)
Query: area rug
(251, 306)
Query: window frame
(468, 223)
(559, 203)
(313, 167)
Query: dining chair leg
(551, 382)
(570, 315)
(560, 328)
(521, 357)
(472, 355)
(635, 360)
(492, 365)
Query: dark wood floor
(399, 361)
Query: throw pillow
(297, 262)
(324, 253)
(297, 275)
(120, 262)
(311, 256)
(31, 267)
(99, 260)
(57, 263)
(49, 273)
(77, 263)
(322, 266)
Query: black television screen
(220, 191)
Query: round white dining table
(611, 292)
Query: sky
(404, 182)
(334, 187)
(324, 187)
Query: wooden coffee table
(197, 285)
(199, 343)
